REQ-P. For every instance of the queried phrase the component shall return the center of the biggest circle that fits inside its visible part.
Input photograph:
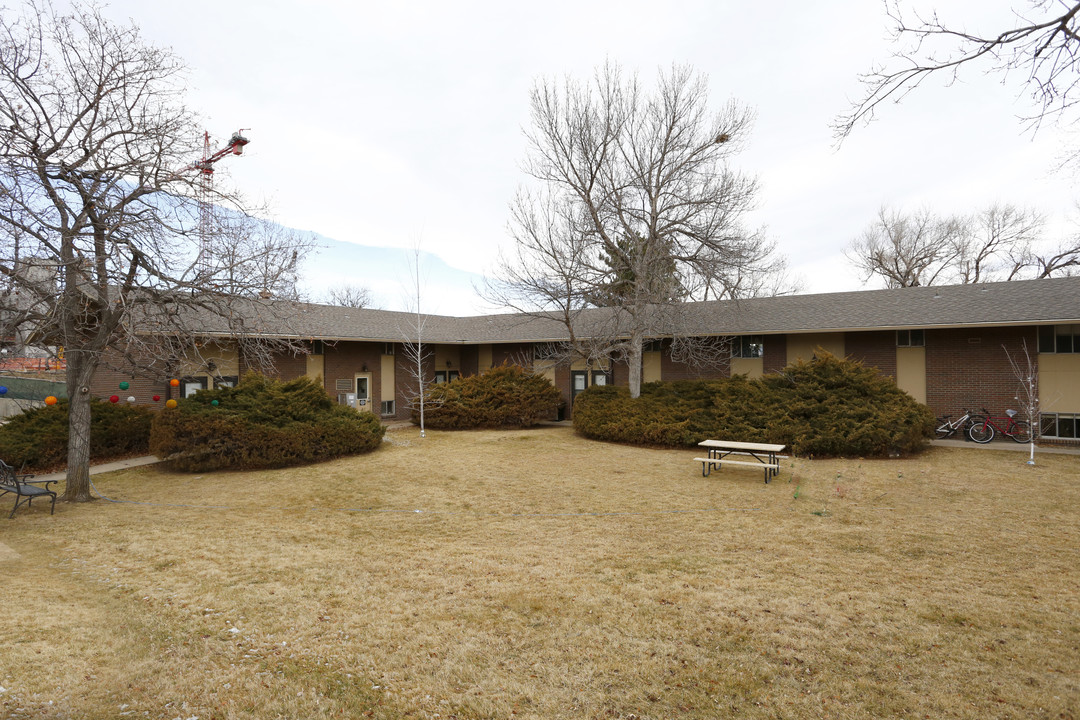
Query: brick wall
(512, 354)
(873, 349)
(672, 370)
(143, 385)
(107, 381)
(774, 354)
(286, 366)
(968, 368)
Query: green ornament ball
(125, 385)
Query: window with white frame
(191, 385)
(910, 338)
(748, 346)
(1060, 425)
(1059, 339)
(386, 407)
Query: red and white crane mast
(205, 190)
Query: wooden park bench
(720, 451)
(24, 489)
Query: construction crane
(205, 189)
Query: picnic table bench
(720, 451)
(23, 487)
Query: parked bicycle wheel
(1022, 432)
(981, 432)
(972, 422)
(944, 428)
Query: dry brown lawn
(535, 574)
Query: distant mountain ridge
(385, 271)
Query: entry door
(363, 392)
(579, 380)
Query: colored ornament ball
(157, 398)
(3, 389)
(131, 398)
(51, 400)
(114, 398)
(174, 382)
(124, 385)
(214, 403)
(170, 404)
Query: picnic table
(720, 451)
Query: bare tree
(417, 355)
(349, 295)
(635, 210)
(922, 248)
(1042, 45)
(997, 243)
(99, 214)
(905, 250)
(1026, 371)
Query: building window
(388, 349)
(226, 381)
(317, 347)
(1060, 425)
(444, 376)
(191, 385)
(386, 407)
(1059, 339)
(910, 338)
(748, 346)
(653, 346)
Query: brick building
(948, 346)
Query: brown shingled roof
(1025, 302)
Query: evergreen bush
(827, 406)
(504, 397)
(261, 423)
(37, 439)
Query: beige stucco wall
(485, 359)
(650, 367)
(447, 357)
(802, 347)
(911, 371)
(750, 367)
(1059, 382)
(316, 366)
(386, 378)
(226, 359)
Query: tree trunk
(79, 372)
(633, 359)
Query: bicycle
(983, 432)
(946, 428)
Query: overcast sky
(388, 123)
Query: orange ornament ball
(174, 382)
(51, 400)
(170, 404)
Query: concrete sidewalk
(1008, 445)
(105, 467)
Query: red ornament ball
(114, 398)
(156, 398)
